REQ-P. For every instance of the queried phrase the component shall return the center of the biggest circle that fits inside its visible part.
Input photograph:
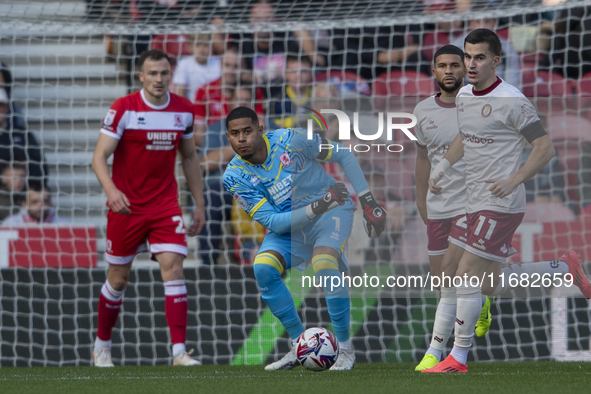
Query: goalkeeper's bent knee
(267, 269)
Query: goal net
(65, 62)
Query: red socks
(108, 310)
(176, 309)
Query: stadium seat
(536, 212)
(550, 92)
(503, 33)
(568, 127)
(583, 87)
(400, 89)
(432, 41)
(174, 45)
(529, 61)
(348, 82)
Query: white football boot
(102, 358)
(289, 361)
(184, 359)
(346, 360)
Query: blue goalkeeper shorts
(332, 229)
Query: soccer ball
(317, 349)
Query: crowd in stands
(281, 73)
(24, 194)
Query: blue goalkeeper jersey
(291, 177)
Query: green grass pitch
(520, 377)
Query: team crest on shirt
(110, 117)
(285, 159)
(528, 110)
(486, 110)
(178, 120)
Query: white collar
(155, 106)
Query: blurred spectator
(12, 185)
(216, 153)
(6, 79)
(36, 208)
(17, 143)
(264, 52)
(442, 33)
(6, 82)
(295, 94)
(157, 12)
(328, 96)
(508, 68)
(548, 184)
(370, 51)
(570, 53)
(193, 72)
(211, 100)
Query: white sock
(178, 349)
(514, 270)
(557, 266)
(345, 344)
(111, 294)
(99, 344)
(460, 354)
(435, 352)
(443, 325)
(467, 314)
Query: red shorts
(127, 235)
(490, 233)
(442, 231)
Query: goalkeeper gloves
(374, 216)
(337, 194)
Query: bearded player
(444, 214)
(278, 179)
(143, 131)
(495, 121)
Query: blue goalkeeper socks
(337, 297)
(276, 295)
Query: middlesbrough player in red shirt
(143, 131)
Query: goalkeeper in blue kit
(278, 179)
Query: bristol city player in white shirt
(495, 121)
(144, 131)
(444, 213)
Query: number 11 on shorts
(491, 226)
